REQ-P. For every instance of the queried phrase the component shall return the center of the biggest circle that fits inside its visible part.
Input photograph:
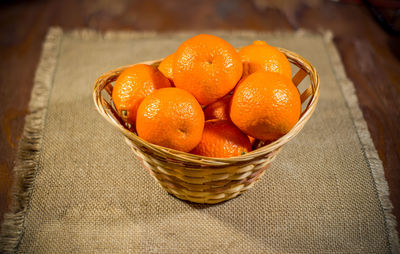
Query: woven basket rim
(293, 57)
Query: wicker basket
(202, 179)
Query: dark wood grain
(370, 56)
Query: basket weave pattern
(202, 179)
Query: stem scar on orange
(206, 66)
(132, 86)
(265, 105)
(171, 117)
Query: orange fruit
(132, 86)
(218, 109)
(265, 105)
(222, 139)
(166, 67)
(260, 56)
(206, 66)
(171, 117)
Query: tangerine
(166, 67)
(222, 139)
(266, 105)
(132, 86)
(171, 117)
(206, 66)
(260, 56)
(218, 109)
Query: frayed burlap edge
(90, 34)
(29, 146)
(370, 152)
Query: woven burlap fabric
(89, 194)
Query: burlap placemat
(79, 188)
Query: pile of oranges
(209, 99)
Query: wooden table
(370, 55)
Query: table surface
(371, 55)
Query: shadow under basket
(203, 179)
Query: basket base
(231, 190)
(205, 185)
